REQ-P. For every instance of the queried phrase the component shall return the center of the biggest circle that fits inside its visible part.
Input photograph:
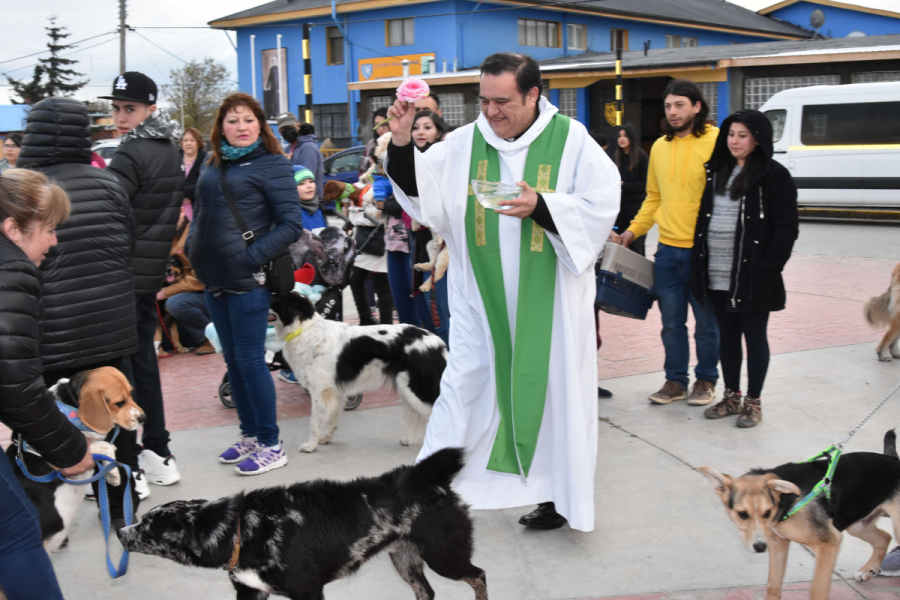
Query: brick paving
(880, 588)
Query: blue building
(841, 19)
(355, 45)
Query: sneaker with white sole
(158, 470)
(140, 485)
(264, 459)
(890, 566)
(287, 376)
(239, 451)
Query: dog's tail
(430, 479)
(877, 309)
(890, 444)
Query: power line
(48, 50)
(69, 54)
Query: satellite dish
(817, 19)
(856, 34)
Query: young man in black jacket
(148, 166)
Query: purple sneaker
(264, 459)
(239, 451)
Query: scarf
(157, 126)
(301, 173)
(229, 152)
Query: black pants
(358, 278)
(143, 372)
(124, 442)
(733, 327)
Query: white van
(841, 143)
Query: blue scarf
(229, 152)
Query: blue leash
(103, 499)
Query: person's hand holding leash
(522, 206)
(86, 464)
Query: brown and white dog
(335, 189)
(884, 311)
(866, 486)
(102, 398)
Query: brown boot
(702, 393)
(729, 405)
(206, 348)
(670, 392)
(751, 413)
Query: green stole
(521, 370)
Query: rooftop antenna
(647, 47)
(816, 20)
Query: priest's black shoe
(543, 517)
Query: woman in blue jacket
(247, 156)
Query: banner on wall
(275, 98)
(390, 66)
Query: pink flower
(412, 89)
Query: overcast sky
(98, 58)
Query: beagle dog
(96, 402)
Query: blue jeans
(400, 279)
(241, 321)
(189, 309)
(671, 282)
(25, 569)
(442, 309)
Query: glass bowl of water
(492, 194)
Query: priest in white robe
(519, 390)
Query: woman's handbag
(370, 240)
(278, 273)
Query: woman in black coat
(745, 232)
(632, 162)
(30, 209)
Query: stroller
(326, 256)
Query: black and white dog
(294, 540)
(334, 360)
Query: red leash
(163, 325)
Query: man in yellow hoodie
(676, 178)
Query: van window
(777, 118)
(858, 123)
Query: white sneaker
(140, 485)
(159, 470)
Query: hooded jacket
(767, 224)
(88, 278)
(26, 406)
(305, 151)
(148, 165)
(675, 180)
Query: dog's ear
(785, 487)
(721, 482)
(93, 409)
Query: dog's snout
(759, 546)
(141, 418)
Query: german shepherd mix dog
(102, 399)
(866, 486)
(174, 274)
(294, 540)
(884, 311)
(334, 360)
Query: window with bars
(710, 91)
(453, 107)
(332, 122)
(758, 90)
(876, 77)
(400, 32)
(335, 47)
(618, 38)
(376, 102)
(542, 34)
(568, 102)
(577, 37)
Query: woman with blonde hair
(246, 163)
(30, 209)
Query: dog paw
(183, 350)
(865, 575)
(104, 448)
(404, 442)
(309, 447)
(113, 478)
(884, 357)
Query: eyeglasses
(10, 146)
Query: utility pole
(122, 28)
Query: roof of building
(706, 14)
(12, 117)
(833, 3)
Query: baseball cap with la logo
(133, 86)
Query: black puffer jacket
(190, 181)
(88, 279)
(26, 406)
(264, 190)
(766, 230)
(150, 170)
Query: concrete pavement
(660, 530)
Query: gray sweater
(722, 228)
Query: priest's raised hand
(403, 114)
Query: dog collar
(236, 552)
(292, 335)
(72, 415)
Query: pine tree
(56, 68)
